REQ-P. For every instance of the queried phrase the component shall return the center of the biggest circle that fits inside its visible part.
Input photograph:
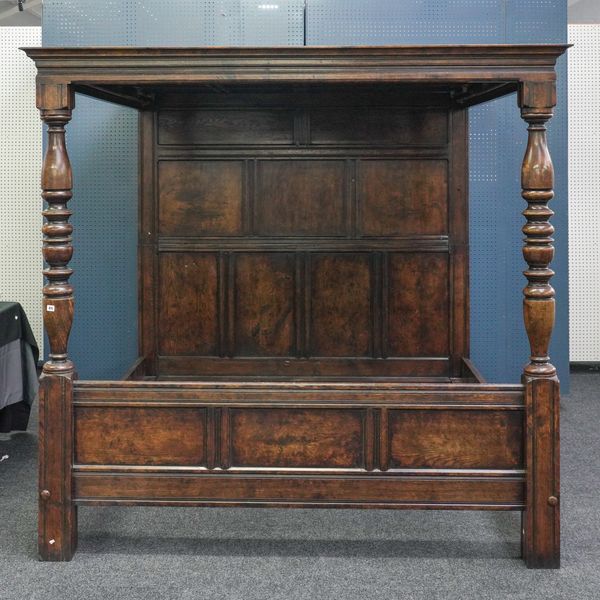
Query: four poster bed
(303, 275)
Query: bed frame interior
(312, 233)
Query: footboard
(384, 445)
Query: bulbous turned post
(57, 184)
(537, 177)
(541, 517)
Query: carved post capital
(54, 96)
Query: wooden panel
(188, 322)
(454, 439)
(369, 491)
(371, 126)
(341, 323)
(200, 197)
(418, 305)
(335, 368)
(297, 438)
(403, 197)
(264, 304)
(301, 197)
(140, 436)
(335, 312)
(225, 127)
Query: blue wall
(103, 138)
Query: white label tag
(50, 308)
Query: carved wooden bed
(303, 276)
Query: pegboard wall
(498, 138)
(584, 191)
(20, 166)
(179, 23)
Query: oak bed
(304, 295)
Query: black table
(18, 368)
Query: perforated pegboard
(356, 22)
(181, 23)
(20, 165)
(498, 137)
(584, 191)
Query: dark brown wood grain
(286, 391)
(220, 127)
(541, 520)
(299, 198)
(335, 368)
(455, 440)
(264, 304)
(133, 436)
(303, 492)
(289, 280)
(57, 520)
(200, 197)
(340, 305)
(375, 126)
(188, 304)
(297, 438)
(403, 197)
(418, 308)
(304, 307)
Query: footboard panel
(299, 444)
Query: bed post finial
(541, 519)
(57, 521)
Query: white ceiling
(584, 11)
(10, 14)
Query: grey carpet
(146, 553)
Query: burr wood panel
(202, 197)
(225, 127)
(188, 304)
(140, 436)
(323, 438)
(455, 439)
(373, 126)
(403, 197)
(340, 305)
(264, 304)
(418, 305)
(299, 198)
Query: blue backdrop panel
(102, 140)
(498, 137)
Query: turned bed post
(541, 521)
(57, 525)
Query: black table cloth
(18, 373)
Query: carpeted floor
(185, 553)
